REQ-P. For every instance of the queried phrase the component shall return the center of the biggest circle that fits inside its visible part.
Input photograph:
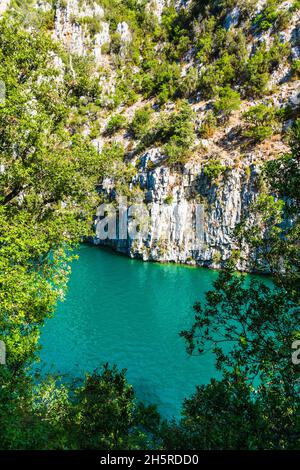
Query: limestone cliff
(172, 199)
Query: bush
(115, 123)
(141, 121)
(295, 69)
(189, 83)
(178, 133)
(261, 64)
(266, 19)
(208, 125)
(161, 79)
(261, 120)
(213, 169)
(169, 199)
(92, 23)
(228, 101)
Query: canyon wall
(172, 199)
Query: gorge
(188, 110)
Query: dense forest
(50, 173)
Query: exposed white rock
(295, 98)
(100, 39)
(124, 32)
(3, 6)
(156, 7)
(232, 18)
(43, 5)
(259, 5)
(173, 201)
(71, 33)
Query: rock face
(173, 200)
(3, 6)
(76, 37)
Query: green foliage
(105, 413)
(229, 100)
(47, 199)
(92, 23)
(189, 84)
(213, 169)
(141, 122)
(25, 12)
(169, 199)
(115, 123)
(266, 19)
(80, 79)
(271, 17)
(178, 132)
(284, 174)
(261, 120)
(161, 79)
(47, 183)
(274, 238)
(261, 64)
(99, 412)
(174, 132)
(208, 125)
(259, 381)
(295, 69)
(250, 327)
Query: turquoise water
(129, 313)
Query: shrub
(261, 120)
(208, 125)
(266, 19)
(161, 79)
(169, 199)
(115, 43)
(213, 169)
(177, 131)
(257, 74)
(295, 69)
(261, 64)
(92, 23)
(284, 113)
(189, 83)
(175, 152)
(83, 82)
(228, 101)
(115, 123)
(141, 121)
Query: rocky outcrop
(173, 200)
(3, 6)
(76, 37)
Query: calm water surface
(129, 313)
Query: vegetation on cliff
(49, 169)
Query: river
(129, 313)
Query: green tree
(141, 121)
(228, 101)
(250, 327)
(115, 123)
(261, 120)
